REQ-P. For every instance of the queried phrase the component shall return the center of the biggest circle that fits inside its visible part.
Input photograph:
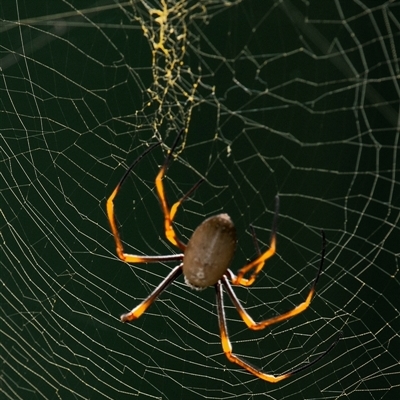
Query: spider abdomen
(209, 251)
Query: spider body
(205, 262)
(209, 252)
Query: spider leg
(146, 303)
(175, 206)
(169, 214)
(227, 346)
(259, 262)
(131, 258)
(282, 317)
(254, 236)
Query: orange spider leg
(175, 206)
(131, 258)
(282, 317)
(169, 214)
(146, 303)
(168, 218)
(259, 262)
(227, 346)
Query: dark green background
(306, 100)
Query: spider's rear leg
(258, 264)
(169, 213)
(131, 258)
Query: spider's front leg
(227, 346)
(281, 317)
(146, 303)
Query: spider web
(290, 97)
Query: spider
(205, 261)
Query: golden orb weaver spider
(205, 262)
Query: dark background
(276, 97)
